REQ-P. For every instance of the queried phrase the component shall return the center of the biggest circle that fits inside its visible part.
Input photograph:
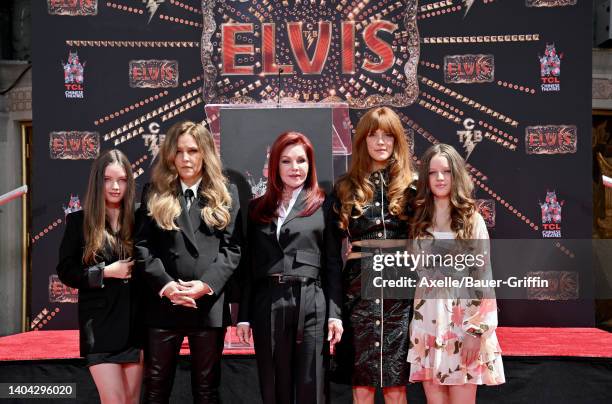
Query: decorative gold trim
(132, 44)
(25, 239)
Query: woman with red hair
(288, 294)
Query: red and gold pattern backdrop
(505, 82)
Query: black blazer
(300, 250)
(107, 307)
(190, 253)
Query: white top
(479, 232)
(443, 235)
(194, 188)
(283, 213)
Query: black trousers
(290, 372)
(161, 352)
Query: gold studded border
(476, 105)
(125, 8)
(517, 87)
(150, 115)
(132, 44)
(186, 7)
(38, 236)
(129, 108)
(442, 112)
(435, 40)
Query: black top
(376, 222)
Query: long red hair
(265, 207)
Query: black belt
(281, 279)
(303, 281)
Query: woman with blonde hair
(187, 246)
(453, 346)
(96, 257)
(372, 209)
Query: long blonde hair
(163, 202)
(462, 204)
(354, 188)
(95, 229)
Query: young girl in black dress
(95, 257)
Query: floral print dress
(440, 325)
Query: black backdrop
(131, 108)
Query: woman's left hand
(470, 349)
(193, 289)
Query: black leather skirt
(374, 346)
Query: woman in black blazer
(187, 248)
(289, 298)
(95, 257)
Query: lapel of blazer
(298, 207)
(184, 222)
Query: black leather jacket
(376, 222)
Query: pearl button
(380, 234)
(377, 204)
(377, 301)
(377, 343)
(377, 221)
(377, 322)
(377, 182)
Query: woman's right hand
(244, 333)
(121, 269)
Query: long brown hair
(95, 227)
(264, 210)
(354, 188)
(163, 202)
(462, 204)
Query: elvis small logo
(73, 76)
(153, 140)
(74, 145)
(551, 215)
(469, 137)
(551, 139)
(550, 3)
(469, 69)
(550, 69)
(152, 6)
(486, 208)
(154, 73)
(73, 8)
(74, 205)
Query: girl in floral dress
(453, 346)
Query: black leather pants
(161, 353)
